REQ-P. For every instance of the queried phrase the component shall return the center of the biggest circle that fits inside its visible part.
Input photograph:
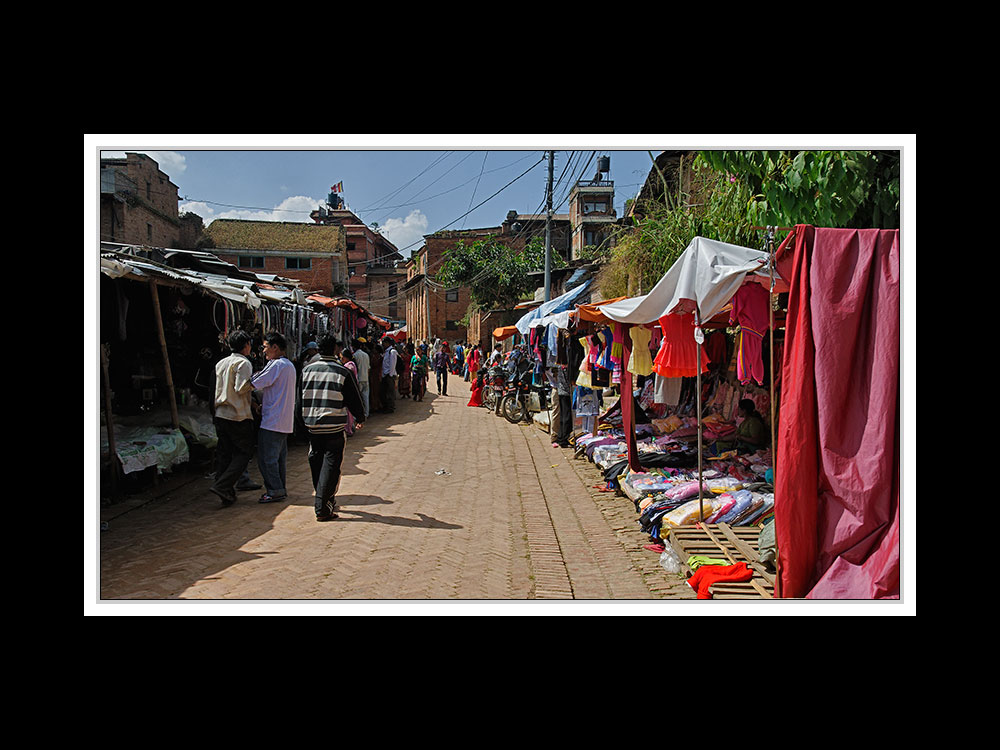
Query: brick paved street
(511, 519)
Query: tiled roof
(238, 234)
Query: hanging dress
(583, 379)
(640, 363)
(750, 311)
(617, 342)
(678, 355)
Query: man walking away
(441, 364)
(363, 363)
(276, 385)
(233, 420)
(329, 391)
(389, 376)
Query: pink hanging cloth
(750, 312)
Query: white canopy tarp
(708, 273)
(557, 305)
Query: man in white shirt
(389, 358)
(363, 362)
(276, 386)
(233, 418)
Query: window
(149, 232)
(393, 288)
(601, 206)
(301, 264)
(251, 261)
(393, 310)
(149, 195)
(451, 295)
(451, 325)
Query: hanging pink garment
(750, 311)
(678, 355)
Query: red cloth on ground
(706, 575)
(837, 476)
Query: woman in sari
(403, 384)
(477, 392)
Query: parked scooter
(493, 388)
(524, 398)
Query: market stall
(163, 328)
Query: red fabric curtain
(837, 482)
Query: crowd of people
(324, 397)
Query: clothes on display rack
(678, 355)
(750, 311)
(640, 363)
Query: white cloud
(296, 208)
(405, 232)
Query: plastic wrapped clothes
(743, 500)
(639, 485)
(682, 491)
(605, 455)
(668, 425)
(728, 503)
(688, 513)
(754, 513)
(723, 485)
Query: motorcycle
(523, 398)
(493, 388)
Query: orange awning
(504, 332)
(592, 311)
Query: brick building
(315, 255)
(139, 204)
(375, 276)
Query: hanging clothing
(640, 363)
(604, 359)
(678, 355)
(667, 390)
(617, 342)
(750, 311)
(583, 379)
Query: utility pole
(548, 230)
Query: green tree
(495, 274)
(851, 189)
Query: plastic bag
(670, 562)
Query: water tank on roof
(604, 164)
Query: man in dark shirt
(329, 391)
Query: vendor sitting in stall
(751, 433)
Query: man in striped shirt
(329, 391)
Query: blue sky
(411, 187)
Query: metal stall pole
(770, 320)
(699, 337)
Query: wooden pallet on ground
(733, 543)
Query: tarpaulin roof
(504, 332)
(559, 304)
(708, 273)
(350, 304)
(592, 311)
